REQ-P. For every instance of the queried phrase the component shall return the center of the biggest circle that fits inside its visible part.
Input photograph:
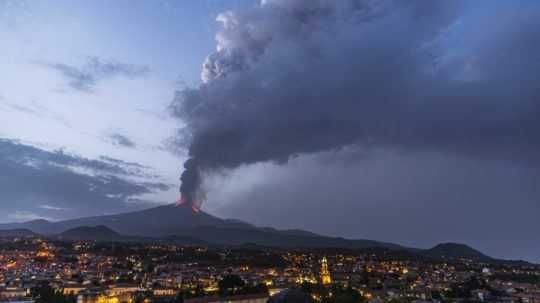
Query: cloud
(301, 77)
(34, 109)
(23, 216)
(21, 154)
(44, 182)
(356, 80)
(21, 108)
(121, 140)
(416, 199)
(86, 77)
(123, 163)
(51, 207)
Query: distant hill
(100, 232)
(16, 233)
(292, 232)
(185, 240)
(456, 251)
(276, 238)
(103, 233)
(38, 226)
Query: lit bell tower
(325, 274)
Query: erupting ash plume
(307, 76)
(192, 194)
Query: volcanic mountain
(180, 221)
(100, 232)
(183, 225)
(154, 222)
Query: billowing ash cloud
(305, 76)
(192, 192)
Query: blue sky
(94, 78)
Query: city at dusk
(268, 151)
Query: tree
(44, 293)
(230, 284)
(347, 295)
(180, 296)
(140, 297)
(464, 290)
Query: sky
(91, 81)
(396, 121)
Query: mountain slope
(455, 251)
(172, 220)
(265, 237)
(182, 225)
(16, 233)
(37, 226)
(100, 232)
(154, 222)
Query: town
(43, 270)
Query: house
(12, 293)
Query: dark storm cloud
(121, 140)
(416, 199)
(353, 81)
(294, 77)
(21, 154)
(35, 182)
(86, 77)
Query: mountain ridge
(172, 220)
(156, 221)
(90, 232)
(182, 225)
(17, 232)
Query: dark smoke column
(308, 76)
(191, 193)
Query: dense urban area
(41, 270)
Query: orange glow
(11, 264)
(44, 254)
(181, 200)
(195, 205)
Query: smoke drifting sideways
(307, 76)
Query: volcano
(183, 221)
(159, 221)
(90, 233)
(182, 224)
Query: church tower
(325, 274)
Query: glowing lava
(195, 205)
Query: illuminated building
(325, 274)
(103, 298)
